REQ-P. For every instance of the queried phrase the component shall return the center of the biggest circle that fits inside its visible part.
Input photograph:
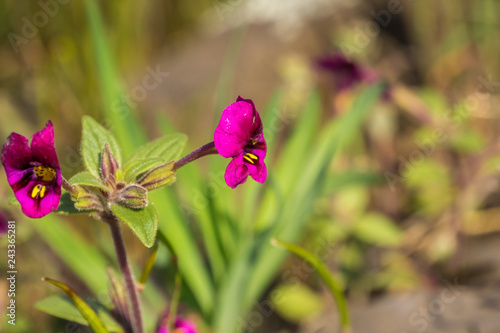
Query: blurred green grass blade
(292, 160)
(334, 135)
(173, 227)
(193, 204)
(327, 277)
(83, 258)
(192, 188)
(124, 123)
(233, 289)
(87, 312)
(148, 266)
(226, 76)
(294, 156)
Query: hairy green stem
(68, 187)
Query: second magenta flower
(239, 135)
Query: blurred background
(405, 213)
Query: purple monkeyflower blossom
(239, 135)
(33, 171)
(180, 326)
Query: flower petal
(237, 125)
(16, 154)
(42, 146)
(261, 174)
(236, 172)
(38, 207)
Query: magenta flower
(33, 172)
(180, 326)
(240, 136)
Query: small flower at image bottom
(180, 326)
(33, 172)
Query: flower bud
(86, 201)
(133, 196)
(158, 177)
(108, 164)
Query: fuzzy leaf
(142, 222)
(168, 148)
(94, 137)
(87, 179)
(86, 311)
(63, 307)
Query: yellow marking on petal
(252, 156)
(45, 174)
(35, 191)
(42, 191)
(38, 190)
(249, 160)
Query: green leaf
(379, 230)
(94, 137)
(142, 222)
(138, 166)
(86, 311)
(287, 296)
(86, 178)
(168, 148)
(63, 307)
(66, 205)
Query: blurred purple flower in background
(346, 73)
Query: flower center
(44, 174)
(250, 158)
(38, 190)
